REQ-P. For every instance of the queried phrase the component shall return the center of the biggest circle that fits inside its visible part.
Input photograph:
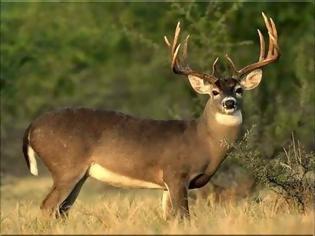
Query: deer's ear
(199, 85)
(252, 80)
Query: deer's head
(226, 92)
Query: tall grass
(101, 210)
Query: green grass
(101, 209)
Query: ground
(100, 209)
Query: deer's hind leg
(62, 190)
(68, 202)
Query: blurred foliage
(112, 55)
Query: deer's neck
(218, 131)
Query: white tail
(32, 160)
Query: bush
(290, 173)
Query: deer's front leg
(175, 200)
(166, 205)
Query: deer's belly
(101, 173)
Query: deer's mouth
(229, 111)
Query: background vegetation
(112, 56)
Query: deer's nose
(229, 104)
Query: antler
(176, 65)
(272, 55)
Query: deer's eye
(239, 91)
(215, 92)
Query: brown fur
(165, 152)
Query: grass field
(101, 210)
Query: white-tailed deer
(172, 155)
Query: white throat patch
(229, 120)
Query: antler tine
(185, 48)
(232, 65)
(274, 29)
(167, 42)
(214, 68)
(272, 54)
(262, 45)
(177, 31)
(275, 35)
(270, 33)
(175, 61)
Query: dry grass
(101, 210)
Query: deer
(125, 151)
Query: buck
(124, 151)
